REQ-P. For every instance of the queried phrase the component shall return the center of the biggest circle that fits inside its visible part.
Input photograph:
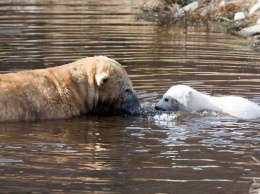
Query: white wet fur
(193, 100)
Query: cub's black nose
(159, 108)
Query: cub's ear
(101, 78)
(188, 94)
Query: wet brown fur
(61, 92)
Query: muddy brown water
(185, 153)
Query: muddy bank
(239, 17)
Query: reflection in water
(151, 153)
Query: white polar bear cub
(181, 97)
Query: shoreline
(238, 17)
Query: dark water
(184, 153)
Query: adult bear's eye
(127, 90)
(105, 80)
(166, 99)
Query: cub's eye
(166, 99)
(127, 90)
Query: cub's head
(176, 98)
(114, 88)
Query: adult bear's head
(109, 89)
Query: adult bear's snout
(131, 103)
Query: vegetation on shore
(238, 16)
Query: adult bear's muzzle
(130, 102)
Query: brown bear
(87, 85)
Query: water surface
(184, 153)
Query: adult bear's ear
(101, 78)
